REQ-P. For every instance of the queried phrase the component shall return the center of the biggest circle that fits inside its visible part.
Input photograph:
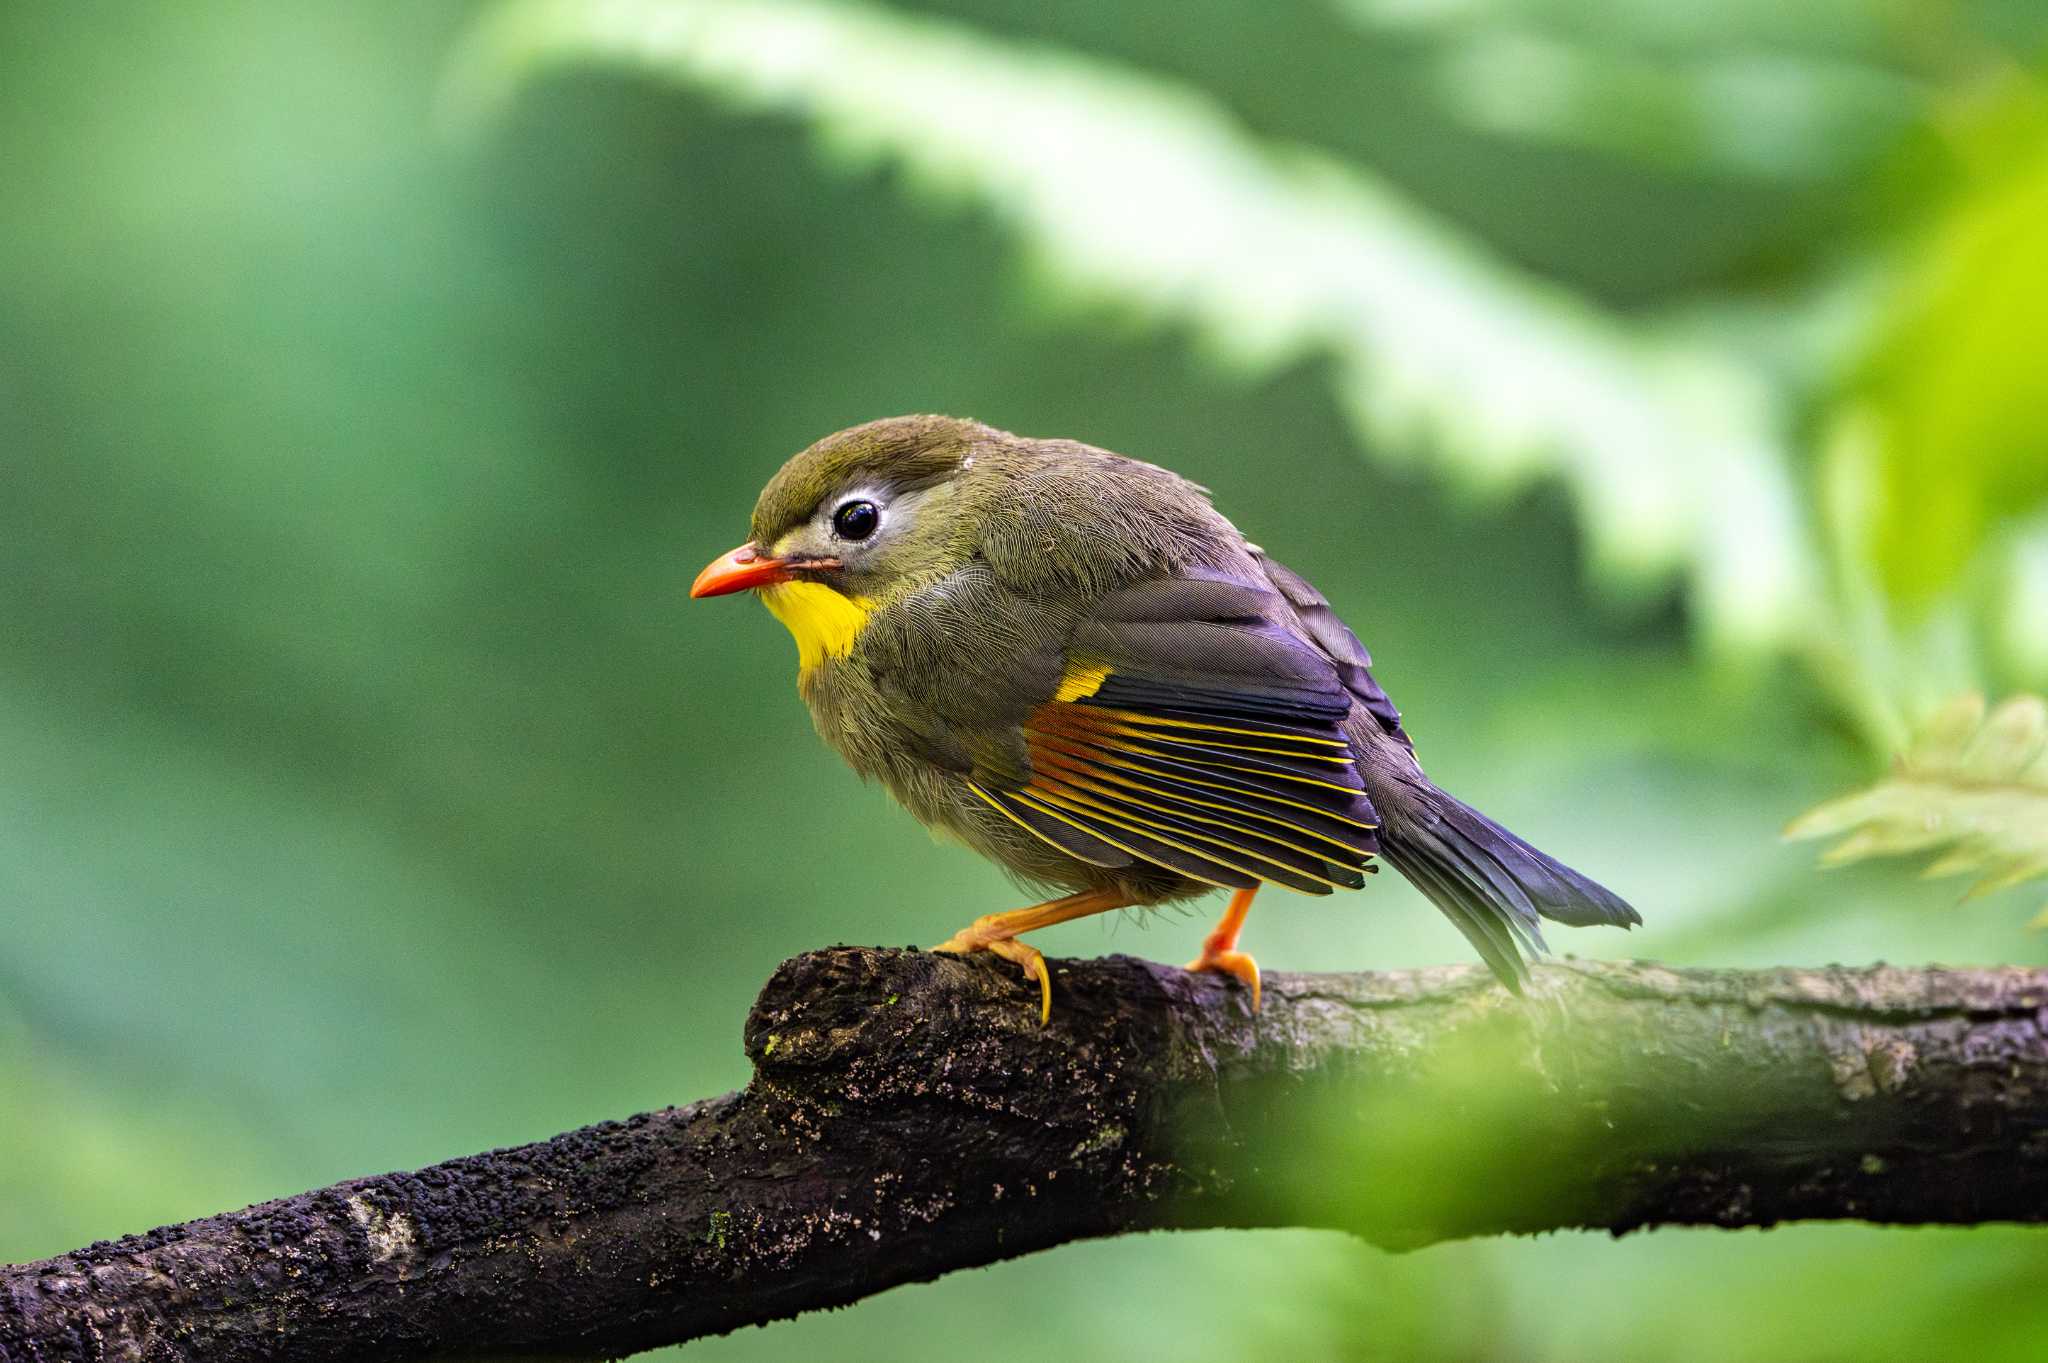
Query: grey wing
(1180, 723)
(1339, 644)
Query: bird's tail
(1492, 885)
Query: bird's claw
(1238, 965)
(969, 940)
(1033, 962)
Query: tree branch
(908, 1117)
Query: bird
(1070, 661)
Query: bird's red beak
(739, 570)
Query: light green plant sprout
(1973, 789)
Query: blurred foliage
(1675, 443)
(369, 792)
(1953, 386)
(1796, 93)
(1134, 195)
(1973, 787)
(1437, 349)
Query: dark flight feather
(1340, 645)
(1063, 826)
(1157, 779)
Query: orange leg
(998, 932)
(1219, 949)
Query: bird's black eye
(856, 520)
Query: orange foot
(1219, 951)
(974, 938)
(996, 933)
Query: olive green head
(874, 504)
(881, 510)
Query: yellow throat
(823, 623)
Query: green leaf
(1129, 191)
(1972, 789)
(1847, 28)
(1953, 387)
(1769, 116)
(2024, 623)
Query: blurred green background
(1654, 387)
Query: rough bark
(908, 1117)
